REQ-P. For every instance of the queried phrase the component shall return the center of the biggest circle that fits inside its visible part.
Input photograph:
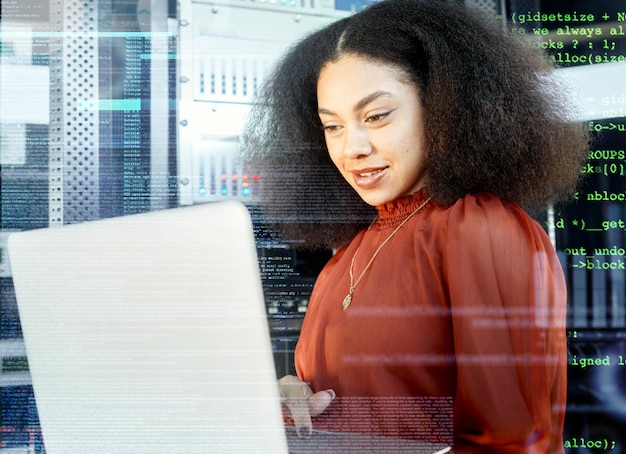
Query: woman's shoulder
(483, 207)
(484, 218)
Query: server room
(152, 299)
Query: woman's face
(373, 126)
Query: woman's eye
(331, 128)
(376, 117)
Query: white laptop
(148, 334)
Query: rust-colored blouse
(456, 333)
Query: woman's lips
(368, 178)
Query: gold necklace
(348, 299)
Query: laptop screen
(149, 333)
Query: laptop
(148, 333)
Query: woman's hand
(302, 403)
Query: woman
(444, 319)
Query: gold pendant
(346, 301)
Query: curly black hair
(494, 117)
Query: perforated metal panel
(494, 7)
(74, 121)
(55, 151)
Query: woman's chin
(375, 198)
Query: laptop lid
(148, 333)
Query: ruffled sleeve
(508, 299)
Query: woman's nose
(357, 143)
